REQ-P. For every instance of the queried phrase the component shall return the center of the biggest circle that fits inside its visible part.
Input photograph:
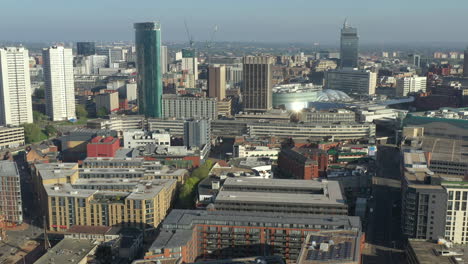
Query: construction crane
(190, 37)
(209, 43)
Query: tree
(101, 112)
(50, 130)
(104, 254)
(33, 133)
(38, 117)
(81, 112)
(188, 191)
(40, 93)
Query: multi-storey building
(456, 225)
(424, 200)
(139, 138)
(406, 85)
(257, 83)
(108, 101)
(234, 75)
(164, 58)
(85, 48)
(148, 50)
(281, 196)
(103, 147)
(191, 234)
(197, 133)
(175, 127)
(185, 107)
(118, 123)
(303, 163)
(10, 193)
(217, 82)
(101, 199)
(59, 83)
(15, 87)
(329, 116)
(309, 130)
(190, 63)
(465, 63)
(349, 48)
(351, 81)
(11, 137)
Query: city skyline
(294, 21)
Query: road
(384, 238)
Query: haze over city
(379, 22)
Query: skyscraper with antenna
(349, 46)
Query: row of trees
(188, 191)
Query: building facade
(103, 147)
(59, 83)
(10, 194)
(408, 85)
(303, 163)
(351, 81)
(465, 63)
(11, 137)
(257, 83)
(197, 133)
(185, 107)
(164, 59)
(217, 82)
(139, 138)
(85, 48)
(148, 50)
(349, 47)
(191, 234)
(15, 87)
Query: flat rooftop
(278, 198)
(8, 169)
(68, 251)
(446, 149)
(331, 247)
(429, 252)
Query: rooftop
(431, 252)
(446, 149)
(8, 168)
(68, 251)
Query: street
(384, 238)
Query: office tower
(351, 81)
(234, 75)
(164, 59)
(415, 60)
(190, 62)
(148, 50)
(349, 46)
(408, 85)
(15, 87)
(217, 81)
(10, 195)
(85, 48)
(465, 63)
(257, 85)
(197, 133)
(59, 83)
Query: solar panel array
(339, 251)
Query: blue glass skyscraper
(349, 47)
(148, 51)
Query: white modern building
(190, 62)
(351, 81)
(139, 138)
(59, 83)
(164, 55)
(15, 87)
(408, 85)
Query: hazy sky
(378, 21)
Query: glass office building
(85, 48)
(148, 50)
(349, 47)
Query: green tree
(188, 191)
(40, 93)
(50, 130)
(101, 112)
(81, 112)
(33, 133)
(39, 117)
